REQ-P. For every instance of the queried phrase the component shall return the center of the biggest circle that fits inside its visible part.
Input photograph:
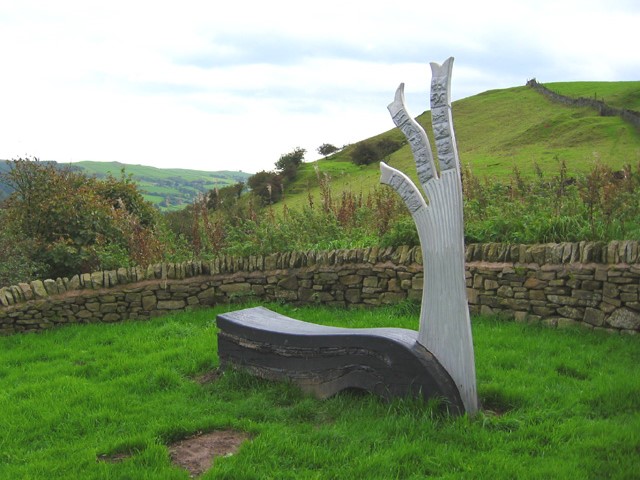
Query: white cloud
(211, 85)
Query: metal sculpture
(436, 361)
(445, 326)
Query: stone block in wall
(149, 302)
(178, 288)
(534, 283)
(505, 291)
(236, 288)
(61, 284)
(536, 254)
(588, 295)
(92, 306)
(624, 318)
(562, 299)
(486, 310)
(631, 252)
(620, 279)
(72, 283)
(84, 314)
(393, 285)
(610, 304)
(491, 284)
(27, 293)
(350, 279)
(289, 282)
(325, 277)
(133, 298)
(473, 296)
(108, 308)
(352, 295)
(96, 280)
(258, 290)
(593, 252)
(287, 295)
(17, 294)
(392, 297)
(171, 304)
(306, 295)
(489, 300)
(50, 286)
(111, 278)
(514, 303)
(571, 312)
(163, 294)
(537, 295)
(594, 317)
(271, 261)
(122, 275)
(192, 301)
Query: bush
(364, 153)
(16, 262)
(73, 221)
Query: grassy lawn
(557, 404)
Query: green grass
(557, 404)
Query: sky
(233, 85)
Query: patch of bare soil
(197, 453)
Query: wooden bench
(326, 360)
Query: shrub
(73, 221)
(364, 153)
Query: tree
(224, 198)
(386, 146)
(364, 153)
(267, 186)
(327, 149)
(288, 163)
(368, 152)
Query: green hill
(501, 129)
(167, 188)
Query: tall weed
(602, 205)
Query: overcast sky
(232, 85)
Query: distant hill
(168, 189)
(499, 130)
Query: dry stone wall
(603, 109)
(595, 285)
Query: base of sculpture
(325, 360)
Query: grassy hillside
(502, 129)
(168, 188)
